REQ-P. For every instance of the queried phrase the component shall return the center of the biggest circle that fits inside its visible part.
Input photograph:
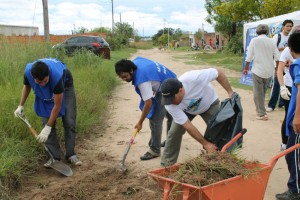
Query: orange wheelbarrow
(252, 187)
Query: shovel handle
(33, 131)
(133, 136)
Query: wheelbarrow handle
(233, 140)
(283, 153)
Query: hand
(19, 111)
(210, 147)
(43, 136)
(138, 126)
(284, 92)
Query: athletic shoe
(74, 160)
(269, 109)
(288, 195)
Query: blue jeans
(69, 124)
(275, 94)
(174, 137)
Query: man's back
(262, 51)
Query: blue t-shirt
(295, 74)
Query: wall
(9, 30)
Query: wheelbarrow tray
(236, 188)
(252, 187)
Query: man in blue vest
(55, 97)
(146, 77)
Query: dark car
(90, 43)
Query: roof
(294, 16)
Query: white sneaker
(49, 162)
(269, 109)
(74, 160)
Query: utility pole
(112, 17)
(46, 20)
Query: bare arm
(296, 120)
(280, 69)
(222, 79)
(25, 92)
(195, 133)
(145, 111)
(56, 108)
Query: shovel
(55, 164)
(123, 167)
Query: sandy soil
(101, 152)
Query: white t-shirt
(283, 42)
(199, 94)
(286, 55)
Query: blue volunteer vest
(44, 97)
(148, 70)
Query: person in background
(281, 42)
(55, 97)
(293, 124)
(146, 77)
(184, 98)
(262, 51)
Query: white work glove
(284, 92)
(43, 136)
(19, 111)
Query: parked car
(90, 43)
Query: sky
(147, 17)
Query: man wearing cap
(146, 76)
(190, 95)
(262, 51)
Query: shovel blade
(62, 168)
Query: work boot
(288, 195)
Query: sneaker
(49, 162)
(283, 147)
(269, 109)
(264, 117)
(288, 195)
(147, 156)
(74, 160)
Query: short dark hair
(39, 70)
(124, 66)
(294, 42)
(287, 21)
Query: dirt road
(102, 151)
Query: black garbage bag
(226, 123)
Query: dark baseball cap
(169, 88)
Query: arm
(280, 69)
(296, 121)
(25, 92)
(145, 111)
(56, 108)
(222, 79)
(195, 133)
